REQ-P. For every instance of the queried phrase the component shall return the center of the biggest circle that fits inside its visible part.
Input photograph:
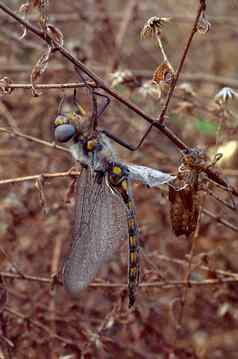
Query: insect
(104, 209)
(184, 194)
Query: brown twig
(100, 83)
(144, 74)
(37, 177)
(72, 85)
(164, 284)
(61, 18)
(77, 173)
(125, 21)
(220, 220)
(183, 58)
(184, 263)
(33, 139)
(41, 326)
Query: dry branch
(101, 84)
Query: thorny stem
(100, 83)
(201, 9)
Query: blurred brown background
(99, 323)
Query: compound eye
(64, 133)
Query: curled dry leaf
(38, 69)
(203, 25)
(184, 192)
(55, 34)
(25, 9)
(165, 73)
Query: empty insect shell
(64, 133)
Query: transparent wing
(149, 176)
(100, 224)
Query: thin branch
(72, 85)
(144, 74)
(125, 21)
(100, 83)
(164, 284)
(183, 58)
(37, 177)
(185, 263)
(41, 326)
(60, 18)
(220, 220)
(33, 139)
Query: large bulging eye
(64, 133)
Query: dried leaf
(38, 69)
(184, 192)
(164, 72)
(26, 8)
(55, 34)
(203, 25)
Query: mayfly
(104, 208)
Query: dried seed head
(187, 89)
(120, 77)
(224, 95)
(153, 26)
(165, 73)
(150, 89)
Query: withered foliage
(37, 319)
(184, 192)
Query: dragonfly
(104, 212)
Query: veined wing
(100, 223)
(149, 176)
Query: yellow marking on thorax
(60, 120)
(91, 144)
(117, 170)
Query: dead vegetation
(176, 84)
